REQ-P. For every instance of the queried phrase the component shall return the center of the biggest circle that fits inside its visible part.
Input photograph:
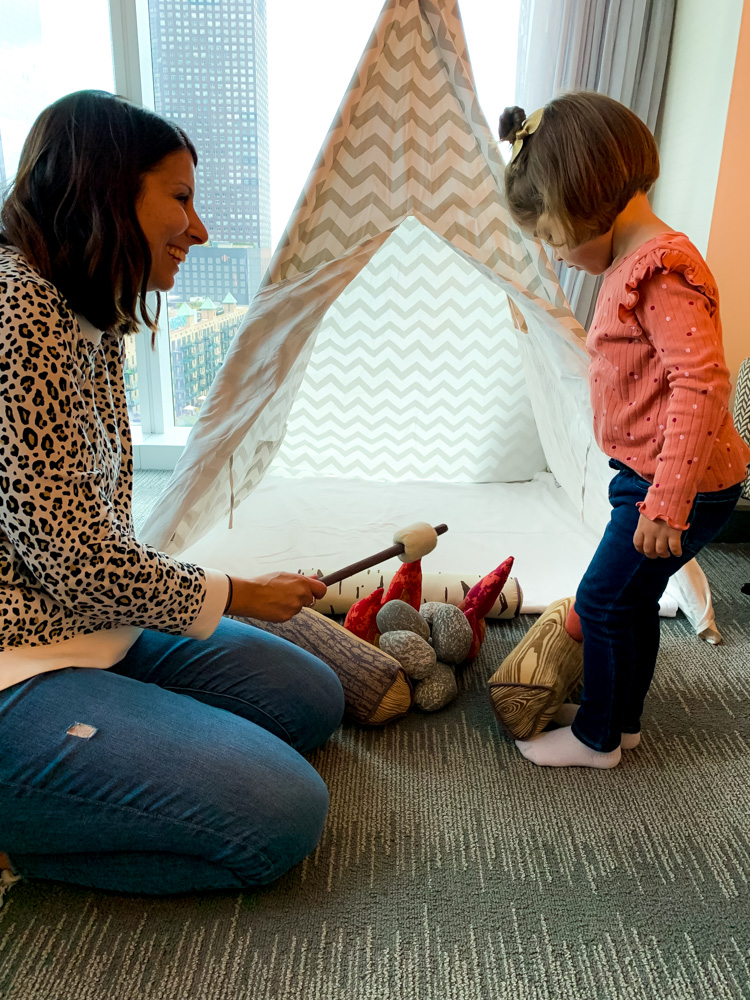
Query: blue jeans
(618, 604)
(193, 778)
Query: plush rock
(438, 690)
(451, 634)
(427, 610)
(415, 654)
(397, 616)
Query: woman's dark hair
(71, 209)
(587, 158)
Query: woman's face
(167, 216)
(594, 256)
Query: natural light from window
(313, 51)
(46, 52)
(257, 114)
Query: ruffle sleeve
(672, 296)
(665, 260)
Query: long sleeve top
(76, 586)
(659, 383)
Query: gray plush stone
(437, 691)
(451, 634)
(427, 610)
(398, 616)
(414, 653)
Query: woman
(178, 766)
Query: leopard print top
(69, 561)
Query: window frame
(157, 442)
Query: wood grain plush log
(538, 675)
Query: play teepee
(407, 337)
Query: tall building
(211, 77)
(215, 270)
(210, 74)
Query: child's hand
(656, 539)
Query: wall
(730, 226)
(690, 132)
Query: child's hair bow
(530, 125)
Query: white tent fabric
(406, 195)
(415, 375)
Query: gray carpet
(452, 869)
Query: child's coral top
(659, 383)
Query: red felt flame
(360, 618)
(483, 595)
(573, 625)
(478, 629)
(406, 584)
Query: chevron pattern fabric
(409, 141)
(415, 374)
(403, 144)
(742, 411)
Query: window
(253, 115)
(45, 54)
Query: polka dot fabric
(659, 383)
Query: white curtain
(614, 47)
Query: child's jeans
(189, 775)
(618, 604)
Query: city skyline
(232, 80)
(210, 74)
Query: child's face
(594, 256)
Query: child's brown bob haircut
(588, 157)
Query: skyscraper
(211, 77)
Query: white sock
(566, 713)
(560, 748)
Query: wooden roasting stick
(357, 567)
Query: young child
(578, 178)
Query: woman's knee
(313, 700)
(267, 680)
(287, 827)
(320, 707)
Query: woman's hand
(275, 597)
(656, 539)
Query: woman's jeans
(178, 769)
(618, 604)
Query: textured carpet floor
(452, 869)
